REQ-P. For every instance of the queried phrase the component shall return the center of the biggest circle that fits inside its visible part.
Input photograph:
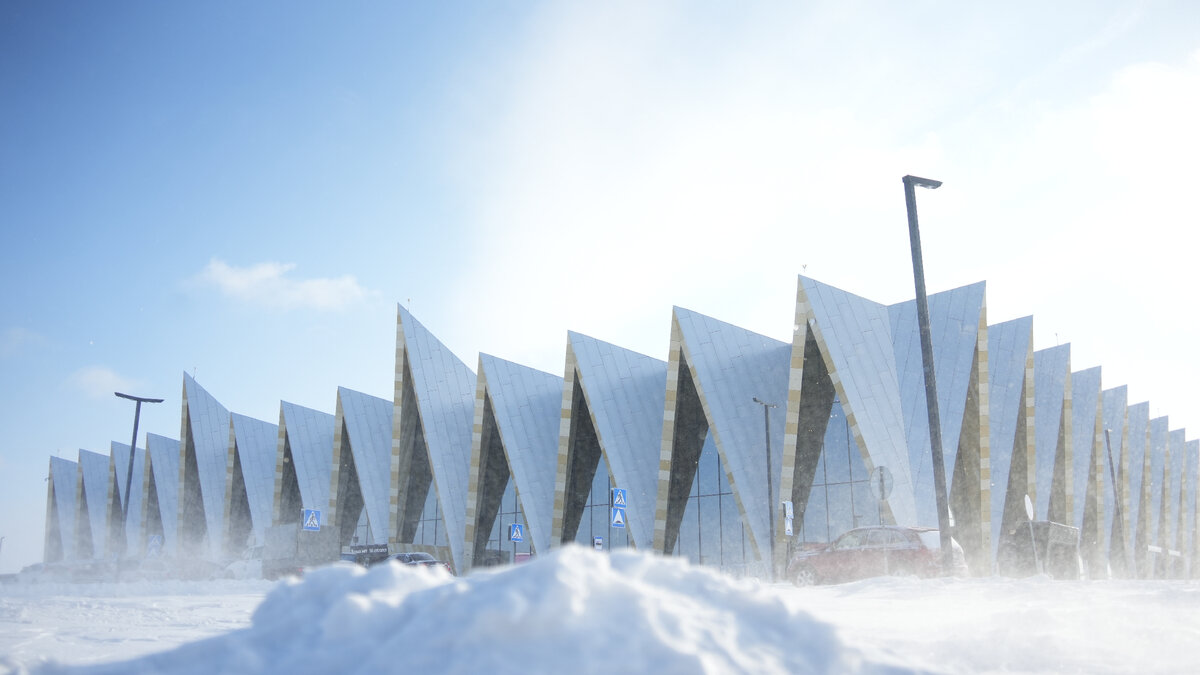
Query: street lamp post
(137, 414)
(770, 488)
(935, 427)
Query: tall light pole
(137, 414)
(935, 426)
(1120, 519)
(770, 488)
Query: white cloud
(1095, 203)
(616, 182)
(13, 340)
(268, 284)
(99, 382)
(638, 159)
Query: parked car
(419, 559)
(874, 551)
(248, 566)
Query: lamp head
(922, 182)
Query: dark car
(419, 559)
(872, 552)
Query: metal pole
(770, 488)
(137, 414)
(935, 427)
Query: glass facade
(430, 529)
(711, 532)
(362, 531)
(841, 497)
(597, 514)
(510, 513)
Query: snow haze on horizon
(575, 610)
(244, 193)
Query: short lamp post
(137, 414)
(935, 427)
(770, 488)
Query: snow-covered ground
(578, 611)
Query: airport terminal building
(734, 450)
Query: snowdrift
(573, 611)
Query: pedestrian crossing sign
(312, 520)
(516, 533)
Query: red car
(872, 552)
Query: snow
(580, 611)
(90, 623)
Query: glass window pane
(710, 530)
(865, 504)
(731, 535)
(599, 494)
(858, 468)
(841, 515)
(816, 516)
(689, 534)
(837, 456)
(708, 469)
(599, 517)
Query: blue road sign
(618, 516)
(516, 533)
(618, 495)
(312, 520)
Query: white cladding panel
(857, 333)
(164, 467)
(1008, 347)
(209, 424)
(445, 391)
(954, 317)
(368, 421)
(119, 452)
(1159, 438)
(256, 445)
(1085, 406)
(527, 405)
(1139, 427)
(1175, 486)
(1116, 407)
(731, 367)
(310, 436)
(93, 470)
(64, 474)
(1051, 372)
(1191, 475)
(626, 395)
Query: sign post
(619, 504)
(1037, 562)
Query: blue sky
(245, 193)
